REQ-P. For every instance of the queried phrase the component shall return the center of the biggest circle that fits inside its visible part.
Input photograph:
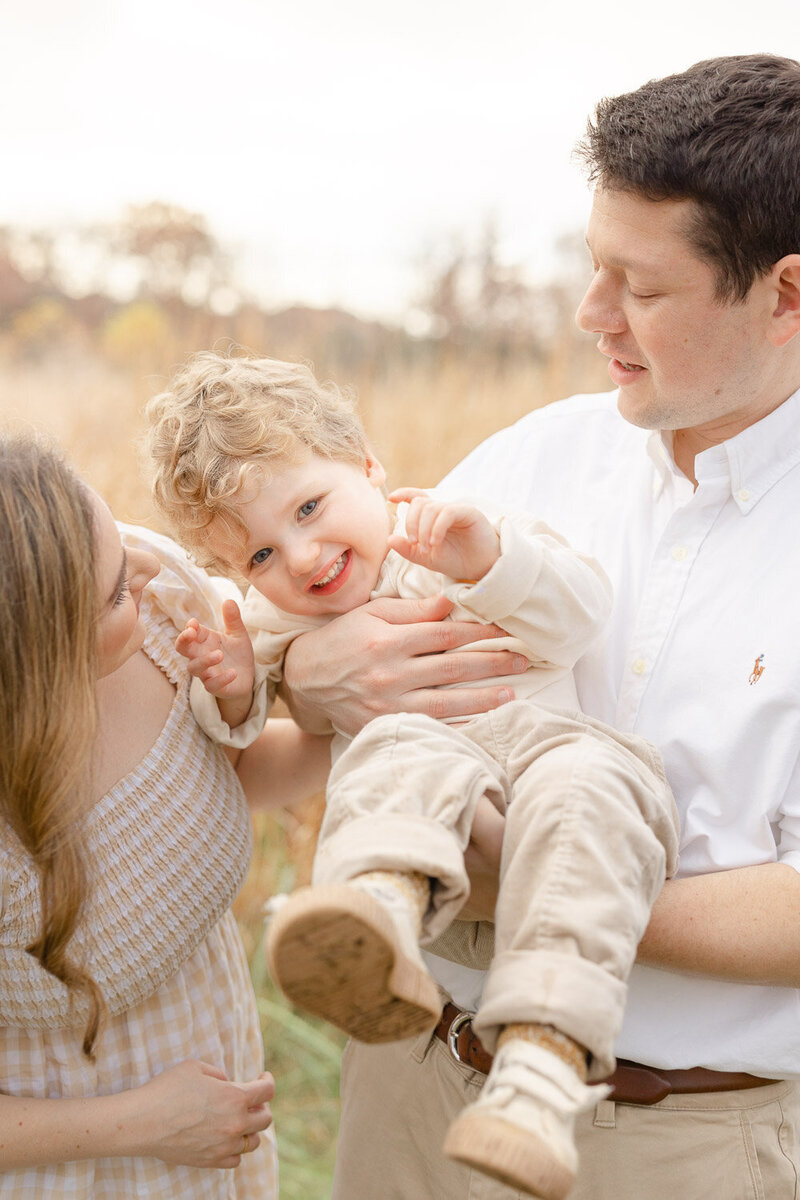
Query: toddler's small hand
(223, 662)
(454, 539)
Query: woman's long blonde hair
(48, 718)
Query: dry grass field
(423, 414)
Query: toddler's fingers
(418, 515)
(399, 495)
(402, 545)
(201, 633)
(232, 617)
(427, 523)
(182, 645)
(443, 521)
(206, 662)
(186, 638)
(411, 524)
(215, 682)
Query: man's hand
(392, 656)
(454, 539)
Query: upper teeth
(332, 573)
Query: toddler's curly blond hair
(223, 423)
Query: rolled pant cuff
(400, 843)
(549, 988)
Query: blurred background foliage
(94, 318)
(93, 321)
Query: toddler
(266, 474)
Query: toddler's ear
(375, 472)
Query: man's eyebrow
(120, 580)
(623, 263)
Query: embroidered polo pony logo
(758, 669)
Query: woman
(130, 1054)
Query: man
(683, 483)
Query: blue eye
(305, 510)
(260, 557)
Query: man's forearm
(737, 925)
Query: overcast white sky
(336, 143)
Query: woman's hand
(391, 656)
(191, 1114)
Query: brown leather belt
(631, 1083)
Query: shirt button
(639, 667)
(679, 553)
(743, 495)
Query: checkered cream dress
(169, 845)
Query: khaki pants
(398, 1100)
(591, 832)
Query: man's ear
(786, 314)
(375, 472)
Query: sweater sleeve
(541, 591)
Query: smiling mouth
(333, 571)
(628, 366)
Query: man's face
(681, 358)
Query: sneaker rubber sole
(514, 1156)
(334, 951)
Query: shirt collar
(659, 448)
(752, 462)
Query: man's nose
(600, 311)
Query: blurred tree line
(95, 318)
(156, 284)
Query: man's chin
(643, 411)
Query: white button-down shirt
(702, 657)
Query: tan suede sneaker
(343, 954)
(520, 1130)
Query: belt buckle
(457, 1024)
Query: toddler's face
(317, 535)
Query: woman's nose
(142, 567)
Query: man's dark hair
(725, 134)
